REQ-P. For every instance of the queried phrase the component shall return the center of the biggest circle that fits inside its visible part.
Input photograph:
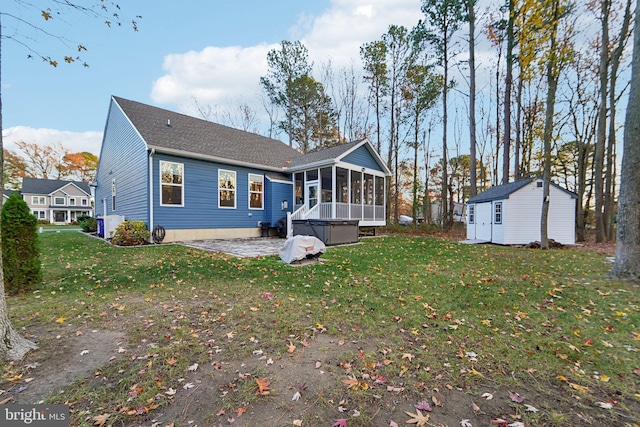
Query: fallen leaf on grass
(291, 348)
(605, 405)
(475, 407)
(296, 396)
(516, 397)
(636, 371)
(340, 423)
(393, 424)
(465, 423)
(241, 410)
(297, 423)
(530, 408)
(579, 387)
(193, 367)
(61, 319)
(487, 396)
(99, 420)
(418, 418)
(263, 387)
(423, 406)
(172, 361)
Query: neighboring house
(6, 194)
(59, 202)
(510, 214)
(201, 180)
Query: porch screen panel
(368, 196)
(299, 180)
(325, 184)
(342, 196)
(356, 195)
(379, 198)
(356, 187)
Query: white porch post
(334, 196)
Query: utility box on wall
(111, 222)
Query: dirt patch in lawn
(305, 387)
(64, 355)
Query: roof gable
(335, 154)
(49, 186)
(174, 133)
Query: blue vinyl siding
(362, 157)
(124, 157)
(200, 210)
(276, 193)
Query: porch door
(311, 196)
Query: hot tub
(329, 231)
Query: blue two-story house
(201, 180)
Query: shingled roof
(176, 133)
(323, 155)
(48, 186)
(503, 191)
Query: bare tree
(627, 264)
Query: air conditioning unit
(110, 224)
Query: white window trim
(235, 189)
(255, 192)
(72, 201)
(472, 214)
(55, 200)
(84, 202)
(35, 200)
(172, 205)
(113, 194)
(495, 206)
(39, 214)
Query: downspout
(151, 153)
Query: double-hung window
(497, 213)
(226, 189)
(171, 184)
(256, 191)
(38, 200)
(472, 214)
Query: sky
(213, 51)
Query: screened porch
(334, 192)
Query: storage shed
(509, 214)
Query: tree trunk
(445, 179)
(552, 84)
(473, 189)
(609, 190)
(12, 345)
(506, 158)
(516, 148)
(602, 118)
(627, 264)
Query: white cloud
(73, 141)
(211, 75)
(217, 74)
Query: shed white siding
(520, 216)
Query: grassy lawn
(400, 325)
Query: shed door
(483, 221)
